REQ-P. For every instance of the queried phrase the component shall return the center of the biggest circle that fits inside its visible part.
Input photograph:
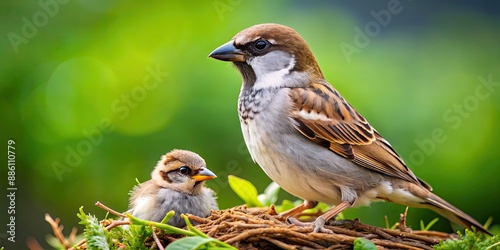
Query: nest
(250, 228)
(263, 228)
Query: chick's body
(153, 203)
(176, 184)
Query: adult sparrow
(309, 139)
(176, 184)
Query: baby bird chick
(177, 183)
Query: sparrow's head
(183, 171)
(269, 53)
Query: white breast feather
(142, 204)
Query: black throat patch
(247, 74)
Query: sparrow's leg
(319, 223)
(298, 209)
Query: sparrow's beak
(227, 52)
(203, 175)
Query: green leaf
(270, 195)
(431, 223)
(364, 244)
(285, 205)
(245, 190)
(53, 242)
(488, 222)
(191, 243)
(320, 207)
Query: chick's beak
(227, 52)
(203, 175)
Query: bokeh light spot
(78, 95)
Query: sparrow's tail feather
(454, 214)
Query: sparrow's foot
(318, 225)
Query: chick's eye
(184, 170)
(261, 45)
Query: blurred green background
(94, 92)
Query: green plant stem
(492, 246)
(167, 217)
(193, 229)
(168, 228)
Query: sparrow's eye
(184, 170)
(261, 45)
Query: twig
(72, 236)
(157, 241)
(335, 238)
(270, 218)
(242, 225)
(197, 219)
(413, 235)
(435, 234)
(33, 244)
(117, 223)
(260, 231)
(57, 230)
(398, 245)
(402, 222)
(279, 244)
(99, 204)
(54, 224)
(310, 243)
(80, 244)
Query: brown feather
(321, 114)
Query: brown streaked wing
(322, 115)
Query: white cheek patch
(271, 69)
(313, 115)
